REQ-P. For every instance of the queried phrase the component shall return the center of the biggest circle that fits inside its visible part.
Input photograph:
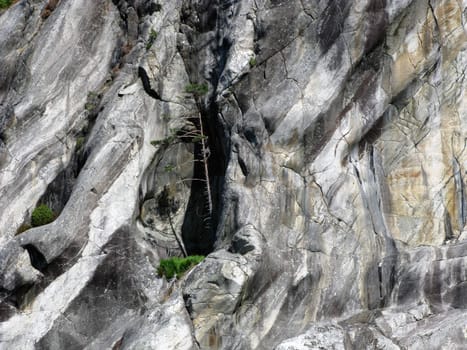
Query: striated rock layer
(315, 151)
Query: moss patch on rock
(176, 267)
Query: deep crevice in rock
(11, 301)
(38, 260)
(59, 190)
(143, 75)
(201, 218)
(203, 210)
(8, 304)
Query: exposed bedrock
(313, 150)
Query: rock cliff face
(314, 150)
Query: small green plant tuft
(42, 215)
(92, 103)
(89, 106)
(169, 140)
(169, 168)
(80, 142)
(152, 39)
(176, 267)
(197, 89)
(253, 62)
(199, 138)
(24, 227)
(6, 3)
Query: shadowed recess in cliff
(204, 206)
(59, 190)
(203, 210)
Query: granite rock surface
(314, 151)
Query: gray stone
(313, 150)
(15, 267)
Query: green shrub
(176, 266)
(6, 3)
(197, 89)
(42, 215)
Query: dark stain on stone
(449, 234)
(373, 134)
(332, 23)
(114, 289)
(321, 130)
(433, 285)
(409, 287)
(377, 23)
(457, 296)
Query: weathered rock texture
(314, 150)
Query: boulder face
(315, 151)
